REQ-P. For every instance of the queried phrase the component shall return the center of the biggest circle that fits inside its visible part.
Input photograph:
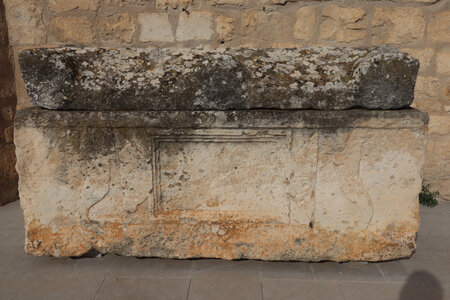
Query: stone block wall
(419, 27)
(8, 175)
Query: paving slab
(49, 288)
(394, 291)
(350, 271)
(225, 285)
(296, 289)
(144, 288)
(287, 270)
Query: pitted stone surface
(265, 184)
(199, 79)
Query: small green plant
(427, 197)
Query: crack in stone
(313, 213)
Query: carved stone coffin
(268, 184)
(198, 79)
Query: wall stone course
(305, 24)
(65, 5)
(443, 62)
(118, 27)
(195, 26)
(24, 19)
(155, 27)
(225, 28)
(397, 25)
(343, 24)
(73, 29)
(438, 30)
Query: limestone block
(232, 78)
(343, 24)
(194, 26)
(267, 184)
(225, 28)
(226, 2)
(437, 159)
(443, 62)
(427, 87)
(305, 23)
(155, 27)
(440, 124)
(24, 19)
(122, 3)
(438, 29)
(64, 5)
(397, 25)
(270, 27)
(77, 29)
(164, 4)
(117, 27)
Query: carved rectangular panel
(237, 177)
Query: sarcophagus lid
(223, 79)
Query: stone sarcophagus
(143, 173)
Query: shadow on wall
(8, 100)
(422, 285)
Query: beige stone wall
(420, 27)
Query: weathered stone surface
(25, 25)
(343, 24)
(305, 23)
(226, 2)
(264, 184)
(438, 29)
(443, 62)
(64, 5)
(396, 25)
(164, 4)
(73, 29)
(194, 26)
(225, 28)
(118, 27)
(262, 27)
(169, 79)
(155, 27)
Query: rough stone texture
(123, 3)
(443, 62)
(73, 29)
(164, 4)
(438, 29)
(304, 26)
(117, 28)
(195, 26)
(397, 25)
(225, 28)
(24, 19)
(64, 5)
(266, 27)
(226, 2)
(271, 185)
(343, 24)
(155, 27)
(169, 79)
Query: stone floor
(426, 275)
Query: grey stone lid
(323, 78)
